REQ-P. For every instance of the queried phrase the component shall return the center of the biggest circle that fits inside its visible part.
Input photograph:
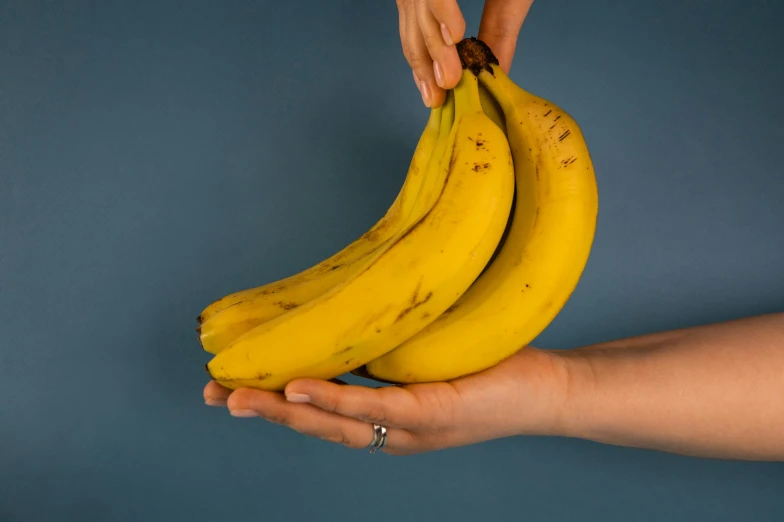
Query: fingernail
(439, 74)
(243, 413)
(445, 33)
(297, 397)
(215, 402)
(424, 88)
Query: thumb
(500, 27)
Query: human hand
(524, 394)
(429, 30)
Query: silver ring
(379, 438)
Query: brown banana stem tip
(475, 55)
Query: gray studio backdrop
(157, 155)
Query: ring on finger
(379, 438)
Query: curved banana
(324, 272)
(540, 262)
(219, 331)
(407, 286)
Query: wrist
(577, 393)
(547, 381)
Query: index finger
(390, 406)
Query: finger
(449, 18)
(215, 394)
(311, 420)
(500, 27)
(402, 7)
(421, 63)
(446, 64)
(389, 406)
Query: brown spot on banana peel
(414, 305)
(286, 305)
(416, 225)
(416, 291)
(344, 350)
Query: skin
(429, 30)
(708, 391)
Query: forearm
(710, 391)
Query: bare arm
(709, 391)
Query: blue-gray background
(157, 155)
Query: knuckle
(433, 40)
(279, 418)
(416, 60)
(406, 53)
(377, 414)
(339, 437)
(331, 403)
(346, 440)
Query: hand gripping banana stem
(228, 325)
(399, 209)
(407, 286)
(539, 264)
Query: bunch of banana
(482, 247)
(396, 287)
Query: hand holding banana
(482, 248)
(429, 30)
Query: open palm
(522, 394)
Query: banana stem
(475, 55)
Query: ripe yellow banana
(407, 286)
(540, 262)
(252, 307)
(324, 272)
(222, 329)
